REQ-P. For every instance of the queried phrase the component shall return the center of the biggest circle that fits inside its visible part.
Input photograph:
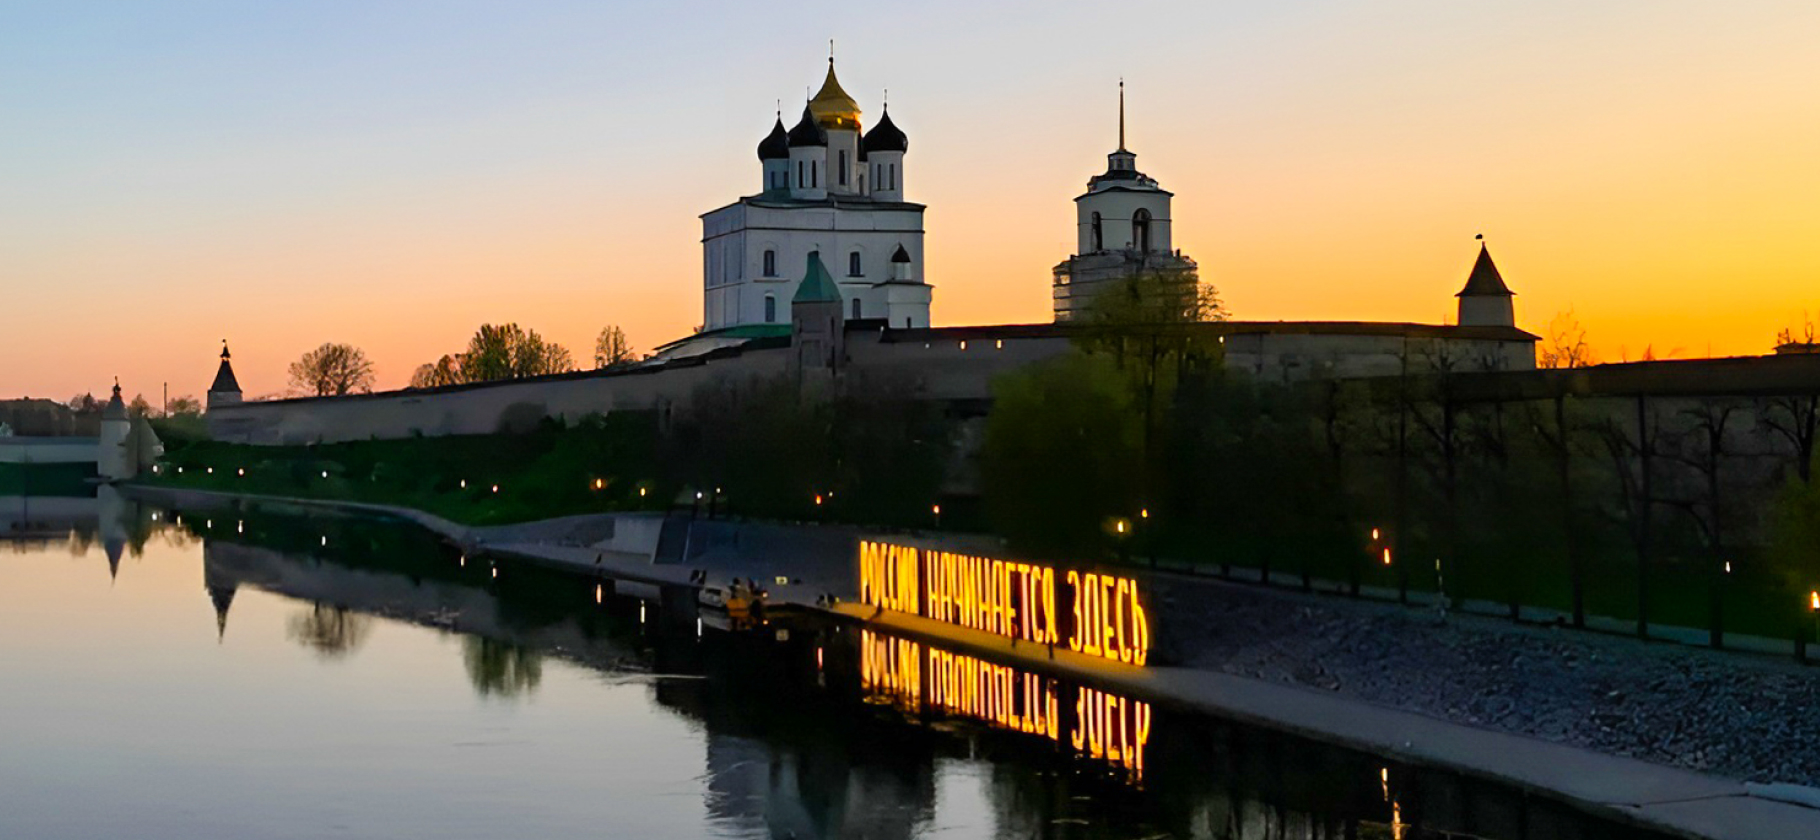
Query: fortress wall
(467, 410)
(949, 365)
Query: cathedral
(829, 190)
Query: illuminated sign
(1097, 724)
(1099, 615)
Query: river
(273, 676)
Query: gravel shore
(1749, 717)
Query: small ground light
(599, 593)
(325, 540)
(240, 527)
(1374, 533)
(241, 471)
(211, 470)
(818, 498)
(1386, 556)
(325, 473)
(963, 345)
(1144, 514)
(1119, 526)
(1813, 600)
(464, 484)
(208, 523)
(641, 491)
(1728, 567)
(495, 571)
(698, 495)
(936, 509)
(495, 488)
(180, 471)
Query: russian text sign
(1099, 615)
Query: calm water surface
(235, 676)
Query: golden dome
(832, 107)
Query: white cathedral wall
(736, 237)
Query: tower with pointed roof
(818, 326)
(226, 388)
(113, 461)
(1122, 228)
(830, 188)
(1486, 301)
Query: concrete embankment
(640, 551)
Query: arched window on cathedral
(853, 266)
(770, 262)
(770, 309)
(799, 175)
(1099, 238)
(856, 309)
(1140, 230)
(843, 167)
(815, 175)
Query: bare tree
(1566, 345)
(612, 349)
(332, 370)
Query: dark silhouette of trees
(611, 349)
(332, 370)
(443, 371)
(1061, 454)
(508, 351)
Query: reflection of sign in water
(915, 678)
(1100, 615)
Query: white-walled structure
(828, 189)
(1122, 228)
(1486, 301)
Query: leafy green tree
(1152, 325)
(332, 370)
(1061, 454)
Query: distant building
(820, 274)
(1486, 301)
(1122, 224)
(827, 189)
(226, 388)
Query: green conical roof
(817, 286)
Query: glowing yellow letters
(1008, 598)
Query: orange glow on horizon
(1330, 166)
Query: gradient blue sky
(392, 174)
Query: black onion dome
(885, 137)
(776, 145)
(807, 132)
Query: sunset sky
(392, 174)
